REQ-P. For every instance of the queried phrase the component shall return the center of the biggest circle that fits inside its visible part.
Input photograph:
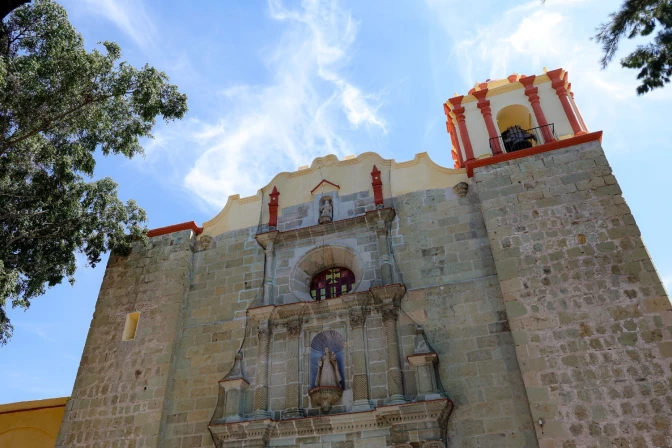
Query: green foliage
(641, 18)
(59, 104)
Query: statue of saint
(326, 211)
(327, 370)
(326, 208)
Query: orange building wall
(31, 424)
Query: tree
(7, 6)
(641, 18)
(59, 105)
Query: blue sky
(274, 84)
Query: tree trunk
(7, 6)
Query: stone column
(384, 253)
(484, 107)
(360, 380)
(532, 95)
(395, 381)
(293, 387)
(558, 83)
(261, 391)
(268, 274)
(458, 110)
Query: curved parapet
(350, 176)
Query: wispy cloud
(309, 108)
(129, 16)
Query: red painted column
(377, 185)
(558, 84)
(532, 95)
(450, 127)
(462, 125)
(273, 208)
(484, 106)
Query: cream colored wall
(550, 103)
(351, 175)
(31, 424)
(478, 132)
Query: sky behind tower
(274, 84)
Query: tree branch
(49, 122)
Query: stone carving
(237, 369)
(326, 210)
(357, 319)
(327, 370)
(328, 381)
(204, 243)
(293, 327)
(420, 343)
(461, 189)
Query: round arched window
(332, 283)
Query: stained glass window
(332, 283)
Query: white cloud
(308, 109)
(532, 35)
(129, 16)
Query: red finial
(377, 184)
(273, 208)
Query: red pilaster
(532, 95)
(273, 208)
(462, 125)
(558, 84)
(377, 184)
(484, 106)
(450, 127)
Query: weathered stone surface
(588, 311)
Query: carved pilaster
(293, 388)
(261, 391)
(268, 277)
(395, 381)
(378, 221)
(360, 379)
(384, 253)
(267, 240)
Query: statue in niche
(326, 210)
(327, 370)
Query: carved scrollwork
(461, 189)
(357, 319)
(293, 327)
(390, 314)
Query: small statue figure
(326, 211)
(327, 370)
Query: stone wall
(589, 316)
(443, 254)
(121, 386)
(228, 276)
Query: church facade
(508, 301)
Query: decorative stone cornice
(435, 412)
(320, 230)
(388, 294)
(268, 237)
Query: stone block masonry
(120, 392)
(589, 316)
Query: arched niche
(318, 260)
(327, 338)
(514, 115)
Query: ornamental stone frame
(367, 319)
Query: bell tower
(502, 116)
